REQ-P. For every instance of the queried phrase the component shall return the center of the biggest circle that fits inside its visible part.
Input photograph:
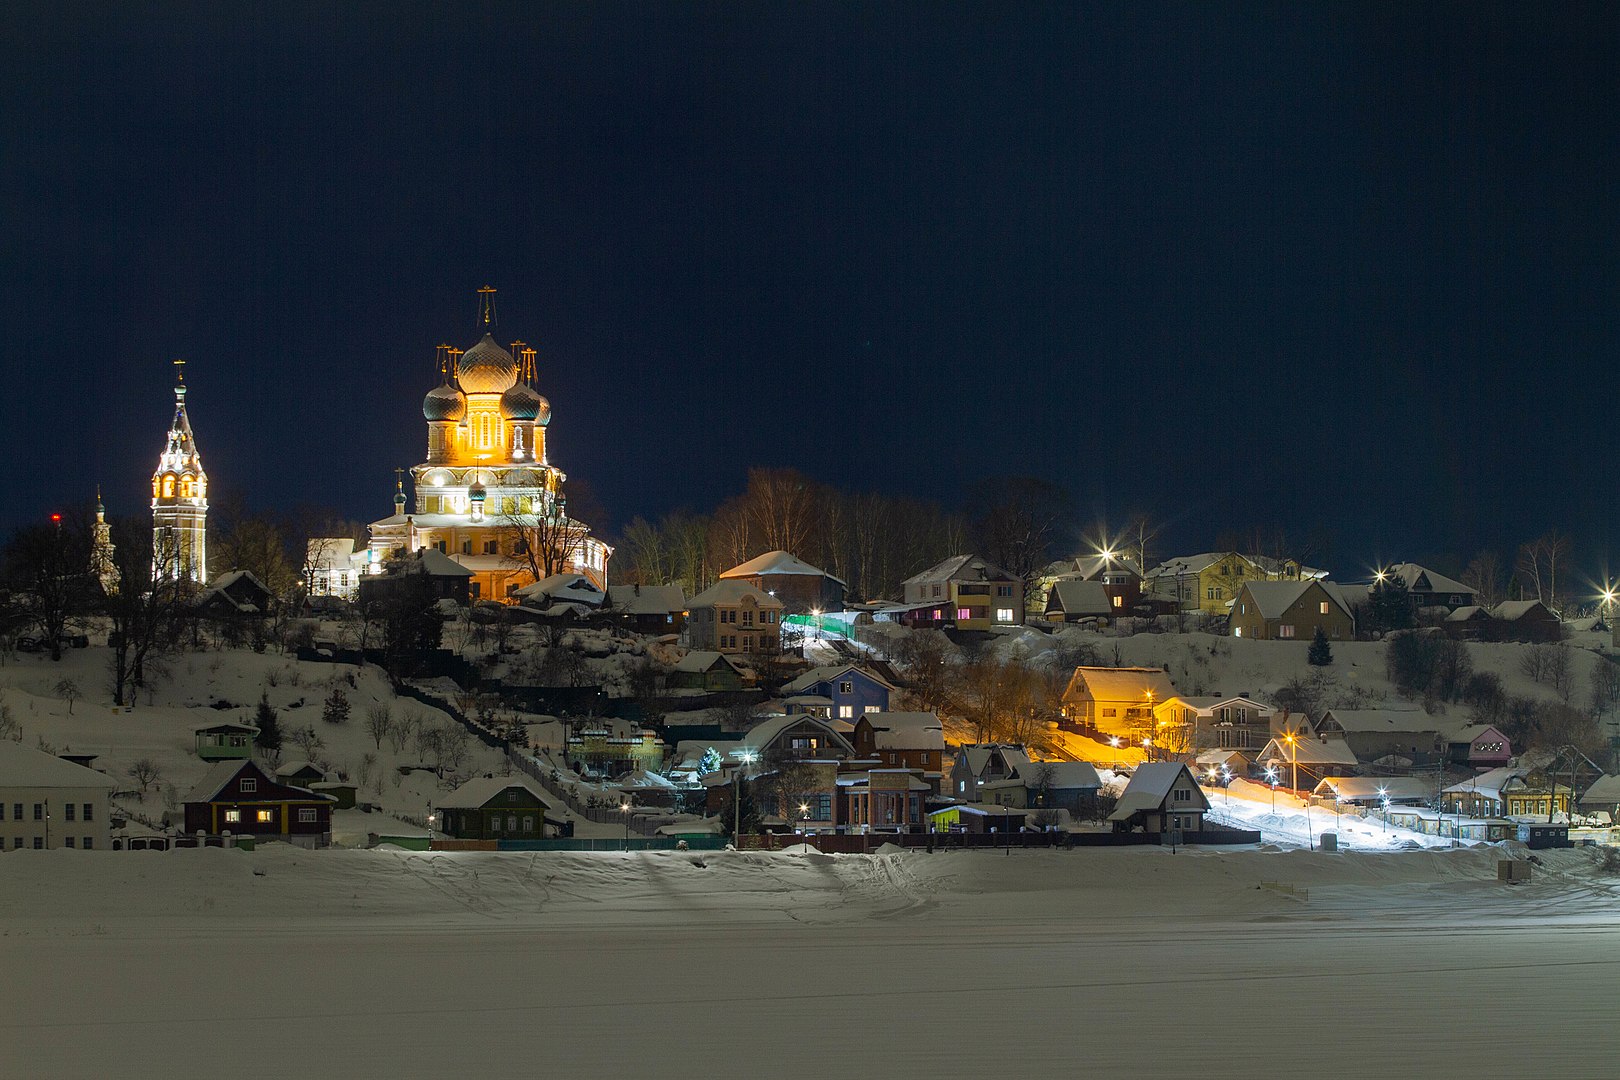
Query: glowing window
(265, 817)
(168, 487)
(1004, 614)
(233, 816)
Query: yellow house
(1117, 701)
(1211, 581)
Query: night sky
(1342, 266)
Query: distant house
(1602, 796)
(225, 742)
(798, 585)
(1218, 723)
(977, 818)
(1313, 757)
(1480, 746)
(499, 808)
(733, 616)
(1511, 791)
(300, 773)
(906, 740)
(1210, 581)
(332, 566)
(648, 609)
(1048, 785)
(964, 592)
(1468, 623)
(239, 797)
(1118, 574)
(1399, 738)
(1071, 600)
(571, 594)
(46, 802)
(977, 764)
(239, 592)
(1373, 791)
(1526, 620)
(1116, 701)
(1291, 610)
(1162, 796)
(704, 669)
(447, 579)
(847, 690)
(1426, 588)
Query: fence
(864, 843)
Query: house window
(67, 841)
(306, 815)
(512, 795)
(1285, 630)
(1119, 601)
(846, 687)
(466, 547)
(67, 810)
(16, 811)
(846, 712)
(1237, 631)
(495, 823)
(528, 823)
(1323, 607)
(39, 811)
(17, 843)
(39, 843)
(511, 823)
(232, 816)
(1003, 590)
(265, 817)
(936, 590)
(89, 842)
(249, 783)
(963, 614)
(492, 547)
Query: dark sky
(1342, 266)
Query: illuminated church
(179, 500)
(488, 495)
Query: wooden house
(1161, 797)
(648, 609)
(977, 764)
(1116, 701)
(225, 742)
(905, 740)
(1290, 611)
(707, 670)
(799, 586)
(499, 808)
(239, 797)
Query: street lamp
(1271, 774)
(736, 797)
(1147, 746)
(624, 808)
(1383, 797)
(1113, 740)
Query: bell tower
(180, 500)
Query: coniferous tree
(337, 707)
(1321, 653)
(269, 737)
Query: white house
(46, 802)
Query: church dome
(444, 402)
(486, 368)
(542, 411)
(521, 402)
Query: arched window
(168, 486)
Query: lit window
(1285, 630)
(265, 817)
(846, 712)
(1004, 614)
(1237, 631)
(1119, 601)
(233, 816)
(1324, 607)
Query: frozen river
(1127, 962)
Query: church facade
(487, 495)
(180, 500)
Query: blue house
(837, 693)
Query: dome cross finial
(486, 308)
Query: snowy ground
(1124, 963)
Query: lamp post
(624, 808)
(1271, 774)
(1113, 740)
(1147, 747)
(804, 820)
(1383, 797)
(736, 797)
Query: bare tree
(145, 772)
(1020, 523)
(379, 718)
(68, 691)
(1484, 576)
(1540, 562)
(147, 606)
(48, 569)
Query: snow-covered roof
(1606, 789)
(1412, 574)
(1077, 597)
(733, 591)
(288, 768)
(1468, 612)
(701, 661)
(831, 673)
(981, 810)
(1150, 786)
(1310, 751)
(478, 791)
(435, 563)
(223, 772)
(978, 756)
(570, 588)
(647, 599)
(1190, 564)
(777, 562)
(1094, 566)
(1380, 720)
(23, 766)
(762, 734)
(1273, 598)
(960, 568)
(1369, 787)
(906, 730)
(1064, 774)
(1131, 684)
(1490, 782)
(1515, 609)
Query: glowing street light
(736, 797)
(624, 808)
(1383, 796)
(1271, 774)
(1113, 740)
